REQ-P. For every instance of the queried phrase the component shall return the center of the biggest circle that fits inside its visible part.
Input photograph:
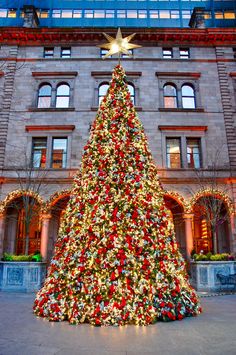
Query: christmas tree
(116, 260)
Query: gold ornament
(118, 45)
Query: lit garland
(178, 198)
(116, 259)
(214, 193)
(16, 194)
(56, 196)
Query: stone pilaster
(8, 89)
(45, 235)
(188, 220)
(2, 232)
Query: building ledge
(109, 73)
(51, 109)
(179, 74)
(233, 74)
(1, 73)
(163, 109)
(137, 108)
(49, 128)
(55, 74)
(183, 128)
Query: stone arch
(203, 233)
(55, 206)
(18, 235)
(176, 204)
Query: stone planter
(21, 276)
(203, 274)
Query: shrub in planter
(36, 257)
(215, 257)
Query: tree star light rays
(118, 44)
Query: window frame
(47, 55)
(52, 153)
(179, 154)
(67, 56)
(168, 96)
(43, 96)
(188, 97)
(65, 96)
(165, 55)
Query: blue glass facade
(119, 13)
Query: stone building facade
(184, 87)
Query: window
(103, 52)
(132, 92)
(3, 12)
(65, 52)
(12, 13)
(173, 153)
(102, 90)
(234, 52)
(63, 96)
(59, 153)
(39, 150)
(123, 55)
(48, 52)
(184, 53)
(193, 153)
(167, 53)
(66, 13)
(44, 96)
(170, 96)
(188, 97)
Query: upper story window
(132, 92)
(188, 97)
(234, 52)
(65, 52)
(170, 96)
(63, 95)
(11, 13)
(44, 96)
(59, 152)
(167, 53)
(39, 152)
(48, 52)
(184, 53)
(173, 153)
(123, 55)
(103, 52)
(194, 153)
(102, 90)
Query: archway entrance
(177, 216)
(57, 212)
(204, 240)
(22, 229)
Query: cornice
(1, 73)
(109, 73)
(49, 128)
(145, 36)
(54, 73)
(179, 74)
(183, 128)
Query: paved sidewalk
(212, 333)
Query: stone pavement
(212, 333)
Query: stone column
(44, 235)
(232, 233)
(2, 231)
(188, 220)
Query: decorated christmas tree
(116, 260)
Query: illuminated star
(118, 44)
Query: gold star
(118, 44)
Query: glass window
(132, 92)
(11, 13)
(153, 14)
(48, 52)
(110, 13)
(121, 13)
(170, 96)
(59, 153)
(66, 13)
(229, 15)
(188, 97)
(88, 13)
(234, 52)
(44, 13)
(77, 13)
(219, 15)
(132, 14)
(104, 52)
(44, 96)
(123, 55)
(164, 13)
(142, 13)
(173, 153)
(63, 96)
(56, 13)
(174, 14)
(184, 53)
(99, 13)
(167, 53)
(193, 153)
(102, 90)
(186, 14)
(39, 151)
(207, 15)
(65, 52)
(3, 12)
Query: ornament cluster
(116, 260)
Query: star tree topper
(118, 45)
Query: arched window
(44, 96)
(102, 90)
(188, 96)
(132, 92)
(63, 95)
(170, 96)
